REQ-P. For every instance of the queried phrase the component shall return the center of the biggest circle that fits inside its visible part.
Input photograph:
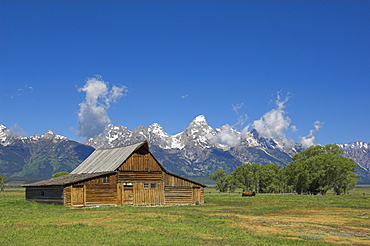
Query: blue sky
(175, 60)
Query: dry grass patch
(330, 225)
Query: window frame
(150, 186)
(106, 179)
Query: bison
(248, 193)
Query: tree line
(315, 170)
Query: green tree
(243, 177)
(3, 179)
(59, 174)
(231, 182)
(270, 178)
(345, 178)
(221, 180)
(318, 169)
(255, 173)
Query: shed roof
(67, 179)
(107, 160)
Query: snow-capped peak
(3, 134)
(355, 145)
(2, 127)
(156, 128)
(49, 134)
(200, 119)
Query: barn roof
(67, 179)
(101, 162)
(107, 160)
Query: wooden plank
(128, 195)
(129, 176)
(140, 163)
(148, 196)
(78, 196)
(67, 195)
(178, 195)
(45, 194)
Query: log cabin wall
(180, 191)
(178, 195)
(67, 193)
(100, 191)
(148, 194)
(45, 194)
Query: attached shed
(128, 175)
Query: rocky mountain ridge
(39, 156)
(197, 151)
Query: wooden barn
(128, 175)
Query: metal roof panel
(106, 160)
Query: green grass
(224, 219)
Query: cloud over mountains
(93, 114)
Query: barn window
(42, 193)
(106, 179)
(151, 186)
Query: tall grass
(224, 219)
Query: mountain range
(39, 156)
(197, 151)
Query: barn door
(78, 195)
(128, 194)
(196, 194)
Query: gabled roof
(101, 162)
(67, 179)
(107, 160)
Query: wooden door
(196, 195)
(128, 195)
(78, 196)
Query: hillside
(40, 156)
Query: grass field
(224, 219)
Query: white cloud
(227, 136)
(16, 131)
(241, 120)
(237, 107)
(309, 140)
(294, 128)
(19, 92)
(273, 123)
(242, 117)
(93, 115)
(184, 96)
